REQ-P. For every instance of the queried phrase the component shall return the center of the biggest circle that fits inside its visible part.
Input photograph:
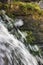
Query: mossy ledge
(23, 9)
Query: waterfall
(41, 4)
(12, 50)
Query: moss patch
(24, 9)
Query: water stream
(12, 49)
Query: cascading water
(12, 50)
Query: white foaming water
(18, 23)
(8, 43)
(13, 51)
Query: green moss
(0, 5)
(30, 37)
(23, 8)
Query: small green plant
(30, 37)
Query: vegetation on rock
(30, 13)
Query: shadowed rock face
(36, 26)
(30, 0)
(3, 1)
